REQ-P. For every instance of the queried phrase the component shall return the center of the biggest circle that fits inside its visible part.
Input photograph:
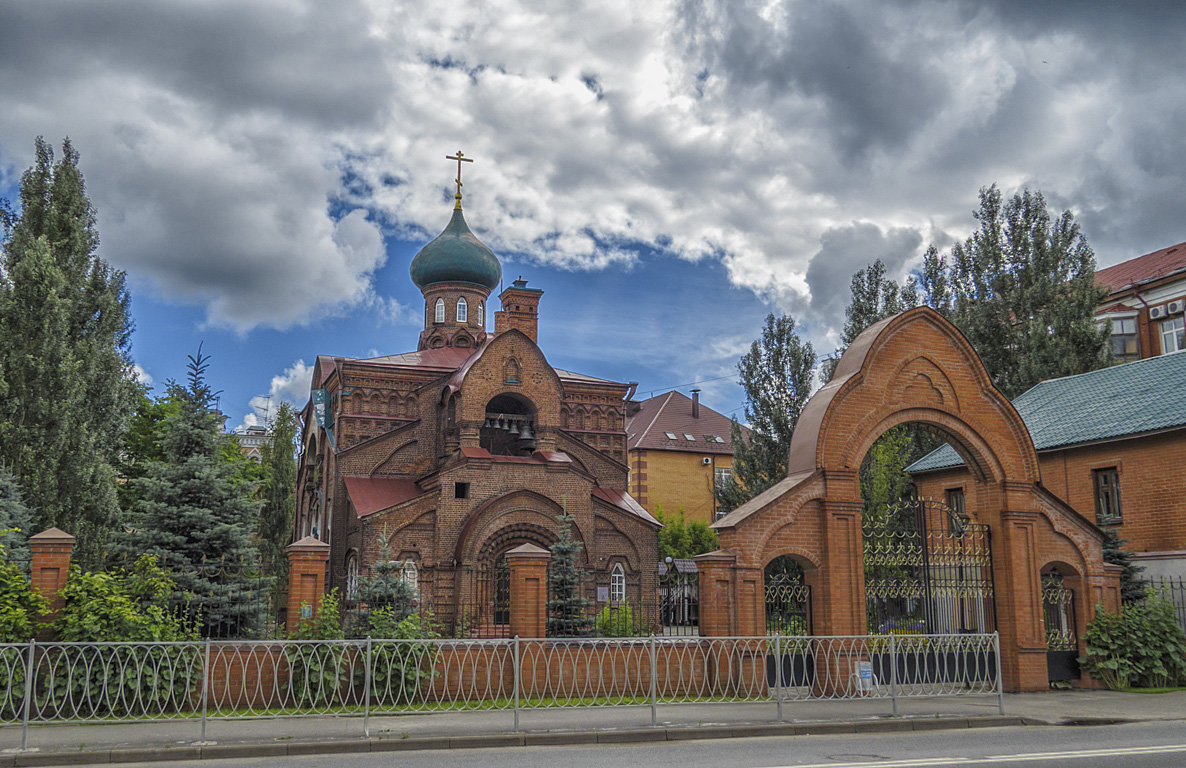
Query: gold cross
(460, 158)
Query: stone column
(528, 565)
(49, 568)
(306, 578)
(718, 616)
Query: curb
(628, 736)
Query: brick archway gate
(913, 367)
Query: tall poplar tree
(68, 384)
(197, 517)
(776, 375)
(279, 488)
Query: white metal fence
(112, 682)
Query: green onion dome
(456, 256)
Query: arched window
(617, 584)
(410, 576)
(440, 312)
(352, 576)
(481, 314)
(462, 310)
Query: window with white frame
(482, 314)
(1173, 336)
(352, 577)
(462, 310)
(439, 315)
(617, 584)
(410, 576)
(722, 476)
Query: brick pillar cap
(308, 544)
(529, 550)
(52, 536)
(717, 556)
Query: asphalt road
(1137, 745)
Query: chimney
(520, 310)
(695, 403)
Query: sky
(668, 172)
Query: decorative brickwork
(529, 590)
(914, 367)
(306, 578)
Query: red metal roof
(372, 494)
(672, 412)
(618, 497)
(1142, 269)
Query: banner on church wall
(321, 411)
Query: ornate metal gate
(489, 611)
(788, 599)
(927, 570)
(1062, 640)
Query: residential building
(1146, 303)
(1112, 444)
(251, 441)
(679, 449)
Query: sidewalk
(131, 742)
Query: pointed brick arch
(913, 367)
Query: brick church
(467, 447)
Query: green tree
(143, 444)
(776, 375)
(568, 609)
(1132, 589)
(14, 522)
(1022, 289)
(874, 297)
(385, 590)
(680, 539)
(68, 384)
(279, 488)
(198, 518)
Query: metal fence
(116, 682)
(1173, 590)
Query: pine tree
(1132, 589)
(279, 463)
(385, 589)
(568, 609)
(68, 385)
(198, 518)
(14, 522)
(776, 375)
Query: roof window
(690, 438)
(671, 436)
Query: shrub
(20, 608)
(317, 671)
(619, 621)
(1143, 646)
(399, 670)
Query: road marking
(923, 762)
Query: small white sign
(603, 594)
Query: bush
(120, 606)
(399, 670)
(1141, 647)
(618, 621)
(20, 608)
(317, 671)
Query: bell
(488, 423)
(514, 427)
(525, 433)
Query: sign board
(306, 611)
(320, 408)
(603, 594)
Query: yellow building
(678, 449)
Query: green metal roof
(456, 256)
(1144, 396)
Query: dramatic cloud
(246, 155)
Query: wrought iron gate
(788, 599)
(927, 570)
(1062, 639)
(489, 611)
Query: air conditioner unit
(1175, 307)
(1156, 313)
(706, 460)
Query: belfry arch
(914, 367)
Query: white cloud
(244, 155)
(142, 375)
(291, 386)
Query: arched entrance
(913, 367)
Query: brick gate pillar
(718, 615)
(841, 608)
(306, 578)
(1017, 582)
(528, 565)
(49, 568)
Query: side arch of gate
(913, 367)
